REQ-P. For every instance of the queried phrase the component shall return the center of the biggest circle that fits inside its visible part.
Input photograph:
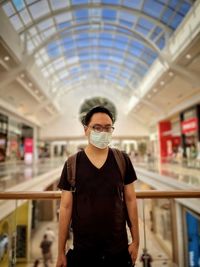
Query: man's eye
(107, 128)
(97, 128)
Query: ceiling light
(188, 56)
(6, 58)
(149, 96)
(30, 84)
(162, 83)
(171, 74)
(22, 75)
(155, 90)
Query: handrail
(139, 194)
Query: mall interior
(140, 59)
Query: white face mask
(100, 140)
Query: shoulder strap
(71, 170)
(71, 166)
(119, 157)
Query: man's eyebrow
(97, 124)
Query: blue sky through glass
(87, 33)
(19, 4)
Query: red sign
(165, 138)
(189, 126)
(28, 145)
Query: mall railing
(168, 221)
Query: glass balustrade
(169, 230)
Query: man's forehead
(100, 116)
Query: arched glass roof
(77, 41)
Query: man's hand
(133, 251)
(61, 261)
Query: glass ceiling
(76, 41)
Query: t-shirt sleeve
(130, 175)
(63, 182)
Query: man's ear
(85, 128)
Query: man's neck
(90, 149)
(97, 156)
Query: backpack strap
(71, 171)
(71, 167)
(119, 157)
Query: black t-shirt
(98, 217)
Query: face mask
(100, 140)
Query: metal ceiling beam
(89, 6)
(138, 36)
(20, 68)
(145, 41)
(109, 62)
(28, 60)
(145, 102)
(104, 83)
(51, 63)
(108, 49)
(72, 87)
(56, 37)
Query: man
(50, 234)
(50, 237)
(96, 207)
(45, 248)
(146, 258)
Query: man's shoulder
(74, 155)
(118, 150)
(119, 153)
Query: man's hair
(97, 109)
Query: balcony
(168, 229)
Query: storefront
(14, 135)
(162, 223)
(3, 136)
(19, 141)
(169, 139)
(190, 131)
(15, 235)
(192, 229)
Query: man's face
(99, 122)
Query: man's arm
(131, 204)
(64, 222)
